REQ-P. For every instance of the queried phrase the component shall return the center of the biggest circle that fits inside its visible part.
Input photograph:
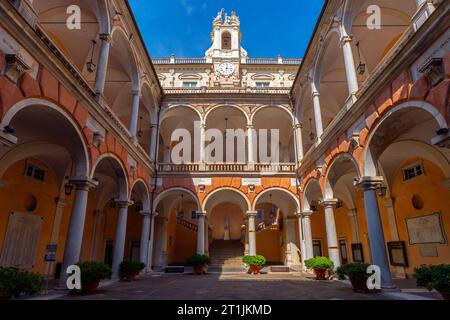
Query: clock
(226, 69)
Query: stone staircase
(226, 256)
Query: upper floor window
(190, 84)
(35, 171)
(262, 84)
(413, 171)
(226, 41)
(259, 215)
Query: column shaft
(250, 144)
(201, 233)
(317, 111)
(102, 68)
(119, 244)
(350, 70)
(153, 142)
(251, 233)
(330, 224)
(134, 115)
(306, 219)
(145, 234)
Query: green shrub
(319, 263)
(93, 271)
(433, 277)
(353, 271)
(198, 260)
(131, 266)
(254, 260)
(15, 281)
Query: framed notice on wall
(426, 229)
(357, 252)
(397, 253)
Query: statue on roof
(218, 19)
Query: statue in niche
(226, 229)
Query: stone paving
(293, 286)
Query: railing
(262, 90)
(273, 61)
(187, 224)
(179, 61)
(262, 227)
(270, 169)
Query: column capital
(370, 183)
(315, 94)
(83, 183)
(124, 203)
(306, 214)
(61, 203)
(250, 126)
(346, 38)
(251, 214)
(298, 215)
(145, 213)
(201, 213)
(298, 126)
(136, 93)
(327, 203)
(105, 37)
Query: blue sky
(269, 27)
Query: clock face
(226, 69)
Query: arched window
(226, 41)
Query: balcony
(228, 168)
(200, 90)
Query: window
(193, 214)
(262, 84)
(226, 41)
(343, 251)
(413, 171)
(317, 248)
(259, 215)
(35, 172)
(189, 84)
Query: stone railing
(260, 168)
(279, 60)
(188, 225)
(179, 61)
(200, 90)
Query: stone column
(250, 145)
(251, 215)
(317, 111)
(201, 232)
(299, 141)
(206, 236)
(60, 205)
(102, 67)
(420, 3)
(162, 242)
(306, 222)
(330, 225)
(74, 237)
(134, 115)
(354, 225)
(246, 247)
(145, 234)
(202, 145)
(149, 260)
(375, 228)
(349, 62)
(98, 218)
(389, 205)
(119, 243)
(291, 247)
(153, 142)
(301, 239)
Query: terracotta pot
(360, 285)
(254, 269)
(199, 269)
(445, 295)
(5, 296)
(130, 276)
(321, 274)
(89, 287)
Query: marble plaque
(426, 229)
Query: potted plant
(15, 281)
(91, 274)
(129, 269)
(320, 265)
(434, 277)
(199, 262)
(356, 273)
(255, 263)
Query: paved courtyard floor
(293, 286)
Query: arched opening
(226, 135)
(225, 210)
(275, 120)
(226, 41)
(277, 227)
(178, 128)
(176, 227)
(33, 174)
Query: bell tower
(226, 52)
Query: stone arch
(311, 193)
(286, 192)
(337, 159)
(166, 192)
(79, 148)
(143, 191)
(118, 169)
(245, 205)
(290, 115)
(372, 152)
(226, 106)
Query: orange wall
(268, 244)
(235, 219)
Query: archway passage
(226, 232)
